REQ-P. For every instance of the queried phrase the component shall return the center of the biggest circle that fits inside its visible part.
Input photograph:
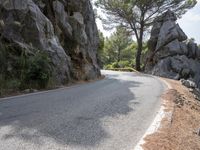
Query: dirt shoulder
(180, 126)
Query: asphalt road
(110, 114)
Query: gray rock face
(188, 83)
(170, 55)
(65, 29)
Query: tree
(117, 45)
(137, 15)
(100, 51)
(120, 40)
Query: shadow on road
(69, 116)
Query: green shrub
(115, 65)
(13, 84)
(121, 64)
(107, 67)
(128, 69)
(38, 71)
(8, 85)
(2, 84)
(3, 61)
(124, 64)
(20, 69)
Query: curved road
(111, 114)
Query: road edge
(64, 87)
(161, 114)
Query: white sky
(190, 23)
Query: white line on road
(157, 121)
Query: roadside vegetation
(20, 69)
(119, 50)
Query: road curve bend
(110, 114)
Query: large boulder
(65, 30)
(170, 55)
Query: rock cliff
(170, 54)
(64, 29)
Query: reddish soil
(180, 130)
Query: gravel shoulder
(180, 126)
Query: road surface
(110, 114)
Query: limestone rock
(26, 24)
(61, 18)
(196, 93)
(168, 30)
(65, 29)
(188, 83)
(193, 48)
(170, 55)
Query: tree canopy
(137, 15)
(118, 48)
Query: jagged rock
(163, 69)
(185, 73)
(188, 83)
(172, 49)
(30, 91)
(78, 27)
(182, 36)
(2, 25)
(169, 53)
(198, 53)
(193, 48)
(78, 17)
(65, 29)
(184, 48)
(25, 23)
(62, 18)
(82, 47)
(196, 92)
(169, 30)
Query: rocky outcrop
(65, 29)
(170, 54)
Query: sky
(190, 23)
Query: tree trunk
(140, 47)
(138, 55)
(119, 55)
